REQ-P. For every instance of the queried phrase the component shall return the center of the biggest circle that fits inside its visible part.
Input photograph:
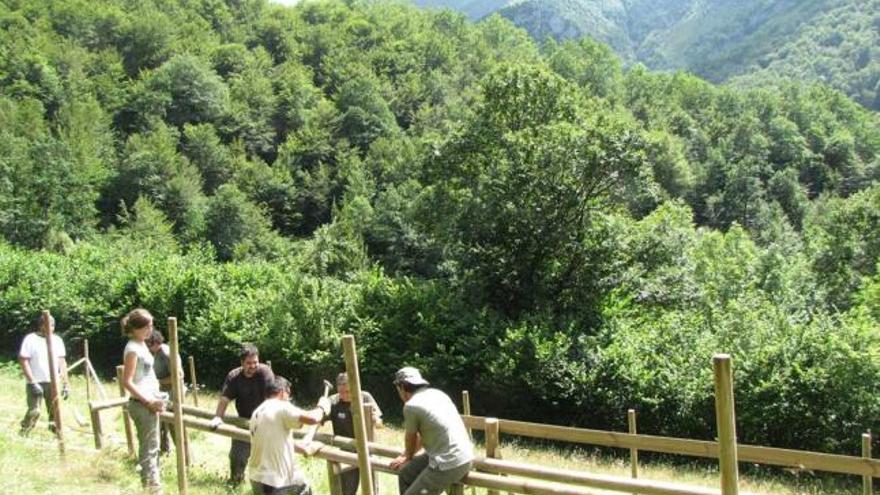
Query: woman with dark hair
(147, 401)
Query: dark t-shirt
(341, 418)
(248, 393)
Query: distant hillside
(753, 41)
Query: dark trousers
(261, 489)
(239, 454)
(33, 406)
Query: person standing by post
(247, 386)
(146, 400)
(431, 421)
(34, 360)
(162, 366)
(343, 425)
(273, 469)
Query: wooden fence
(495, 474)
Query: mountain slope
(753, 41)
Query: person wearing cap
(343, 425)
(272, 465)
(246, 385)
(431, 422)
(33, 357)
(162, 367)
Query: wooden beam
(357, 408)
(192, 379)
(633, 452)
(725, 416)
(53, 380)
(180, 439)
(126, 418)
(87, 370)
(867, 481)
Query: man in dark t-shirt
(247, 386)
(343, 425)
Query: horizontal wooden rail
(338, 449)
(801, 459)
(100, 405)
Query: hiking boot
(30, 420)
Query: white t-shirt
(272, 456)
(33, 348)
(144, 375)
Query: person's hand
(399, 462)
(65, 391)
(156, 406)
(35, 389)
(215, 422)
(324, 404)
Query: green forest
(529, 221)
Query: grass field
(34, 465)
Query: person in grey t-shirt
(432, 422)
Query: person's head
(250, 359)
(137, 324)
(342, 387)
(38, 324)
(279, 388)
(154, 341)
(408, 381)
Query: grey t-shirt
(432, 414)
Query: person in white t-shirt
(34, 360)
(146, 400)
(272, 468)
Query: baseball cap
(409, 375)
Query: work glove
(35, 389)
(65, 391)
(215, 422)
(324, 404)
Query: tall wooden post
(867, 480)
(493, 437)
(357, 408)
(726, 419)
(97, 429)
(53, 379)
(177, 398)
(87, 370)
(333, 481)
(126, 418)
(193, 380)
(466, 410)
(633, 452)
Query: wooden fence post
(357, 403)
(86, 368)
(726, 419)
(97, 429)
(177, 398)
(493, 435)
(192, 379)
(53, 379)
(333, 481)
(633, 452)
(126, 418)
(867, 480)
(466, 410)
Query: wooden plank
(193, 380)
(177, 401)
(126, 418)
(53, 380)
(725, 417)
(357, 409)
(801, 459)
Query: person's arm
(129, 364)
(221, 406)
(25, 363)
(62, 366)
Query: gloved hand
(65, 391)
(324, 404)
(215, 422)
(35, 389)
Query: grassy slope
(33, 465)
